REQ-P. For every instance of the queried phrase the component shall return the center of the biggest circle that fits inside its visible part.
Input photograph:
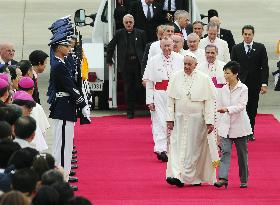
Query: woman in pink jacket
(234, 124)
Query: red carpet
(117, 167)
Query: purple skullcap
(26, 83)
(22, 95)
(3, 83)
(5, 77)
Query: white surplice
(190, 106)
(158, 69)
(42, 125)
(223, 51)
(200, 55)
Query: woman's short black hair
(13, 73)
(24, 66)
(37, 57)
(27, 103)
(233, 66)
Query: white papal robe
(160, 69)
(190, 107)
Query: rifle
(78, 50)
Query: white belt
(62, 94)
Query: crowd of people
(28, 174)
(202, 89)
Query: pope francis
(190, 116)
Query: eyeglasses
(127, 22)
(11, 51)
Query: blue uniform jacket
(65, 108)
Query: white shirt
(173, 5)
(234, 123)
(183, 30)
(246, 46)
(23, 143)
(200, 55)
(145, 8)
(223, 51)
(213, 70)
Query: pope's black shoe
(74, 156)
(74, 146)
(72, 179)
(170, 180)
(74, 188)
(74, 151)
(163, 157)
(72, 173)
(74, 166)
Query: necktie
(149, 15)
(249, 49)
(169, 5)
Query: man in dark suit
(147, 17)
(7, 53)
(182, 25)
(169, 7)
(130, 44)
(254, 70)
(224, 34)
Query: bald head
(193, 41)
(215, 20)
(7, 51)
(166, 45)
(178, 42)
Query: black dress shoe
(199, 184)
(74, 188)
(243, 185)
(74, 161)
(72, 173)
(158, 156)
(74, 151)
(74, 166)
(163, 157)
(178, 183)
(130, 115)
(72, 179)
(221, 183)
(171, 180)
(74, 156)
(251, 137)
(74, 146)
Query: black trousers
(132, 83)
(252, 105)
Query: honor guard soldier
(64, 95)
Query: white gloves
(86, 112)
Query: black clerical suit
(130, 49)
(253, 73)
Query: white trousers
(159, 128)
(63, 143)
